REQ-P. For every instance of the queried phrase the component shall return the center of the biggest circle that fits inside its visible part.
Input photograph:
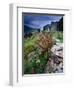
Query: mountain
(47, 27)
(60, 24)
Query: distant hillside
(28, 31)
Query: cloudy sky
(38, 21)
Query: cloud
(38, 21)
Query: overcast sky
(38, 21)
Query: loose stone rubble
(55, 62)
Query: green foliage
(35, 60)
(57, 35)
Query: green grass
(57, 35)
(30, 41)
